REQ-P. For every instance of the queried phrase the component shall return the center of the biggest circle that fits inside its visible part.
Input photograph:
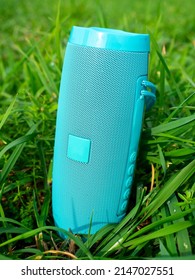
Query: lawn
(160, 223)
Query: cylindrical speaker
(103, 93)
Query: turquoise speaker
(104, 92)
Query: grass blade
(166, 69)
(17, 142)
(149, 228)
(172, 125)
(8, 220)
(8, 112)
(169, 188)
(182, 237)
(34, 232)
(12, 159)
(169, 239)
(159, 233)
(180, 152)
(3, 257)
(162, 160)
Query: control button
(78, 148)
(133, 157)
(124, 206)
(126, 194)
(129, 182)
(130, 169)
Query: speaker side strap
(148, 93)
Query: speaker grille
(96, 102)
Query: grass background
(161, 224)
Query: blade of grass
(159, 233)
(14, 70)
(162, 160)
(180, 152)
(56, 32)
(192, 206)
(184, 131)
(169, 118)
(169, 188)
(12, 221)
(15, 230)
(3, 257)
(49, 174)
(101, 16)
(116, 244)
(41, 219)
(172, 125)
(96, 238)
(182, 237)
(163, 250)
(8, 112)
(45, 74)
(12, 160)
(138, 249)
(170, 238)
(35, 208)
(162, 88)
(17, 142)
(166, 69)
(157, 224)
(143, 231)
(45, 208)
(36, 252)
(33, 232)
(4, 222)
(179, 139)
(40, 67)
(43, 163)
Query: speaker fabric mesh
(96, 102)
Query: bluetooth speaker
(104, 92)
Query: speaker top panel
(111, 39)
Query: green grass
(161, 224)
